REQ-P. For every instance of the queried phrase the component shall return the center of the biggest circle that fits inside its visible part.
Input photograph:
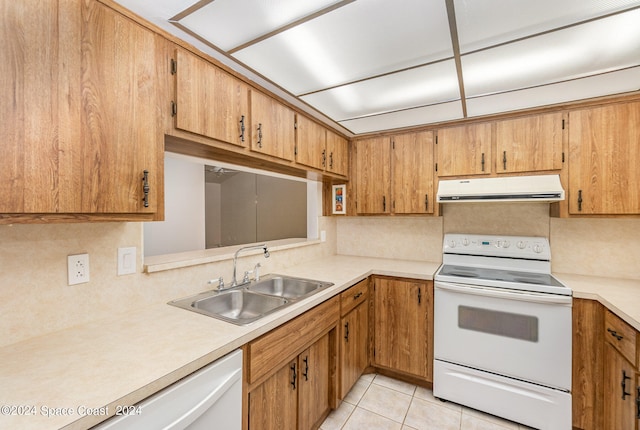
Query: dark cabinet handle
(145, 188)
(579, 200)
(306, 368)
(357, 296)
(324, 158)
(259, 135)
(384, 203)
(504, 160)
(615, 334)
(482, 161)
(331, 160)
(426, 202)
(419, 295)
(346, 331)
(242, 128)
(638, 403)
(623, 384)
(294, 375)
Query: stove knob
(506, 244)
(498, 243)
(537, 248)
(521, 244)
(452, 244)
(465, 241)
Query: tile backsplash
(35, 298)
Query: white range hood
(538, 188)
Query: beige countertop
(123, 359)
(620, 296)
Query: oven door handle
(523, 296)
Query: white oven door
(518, 334)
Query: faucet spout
(234, 281)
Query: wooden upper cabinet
(604, 155)
(337, 154)
(373, 175)
(121, 122)
(210, 102)
(83, 124)
(311, 140)
(530, 144)
(40, 138)
(272, 127)
(464, 150)
(412, 162)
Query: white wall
(184, 225)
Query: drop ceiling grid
(372, 65)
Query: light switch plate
(127, 260)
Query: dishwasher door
(209, 398)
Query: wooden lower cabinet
(297, 395)
(354, 335)
(290, 372)
(403, 326)
(314, 367)
(620, 379)
(605, 365)
(274, 403)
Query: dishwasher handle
(523, 296)
(201, 407)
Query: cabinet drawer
(621, 335)
(352, 297)
(269, 352)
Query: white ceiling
(371, 65)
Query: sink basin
(246, 304)
(287, 287)
(237, 306)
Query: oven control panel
(536, 248)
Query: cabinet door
(40, 138)
(273, 127)
(273, 405)
(313, 400)
(604, 154)
(210, 102)
(413, 173)
(464, 150)
(121, 120)
(402, 333)
(354, 354)
(620, 396)
(530, 144)
(373, 176)
(311, 140)
(338, 154)
(587, 363)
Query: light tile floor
(377, 402)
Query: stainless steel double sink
(250, 302)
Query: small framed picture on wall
(338, 202)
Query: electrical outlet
(78, 268)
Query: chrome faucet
(234, 282)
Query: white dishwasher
(209, 398)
